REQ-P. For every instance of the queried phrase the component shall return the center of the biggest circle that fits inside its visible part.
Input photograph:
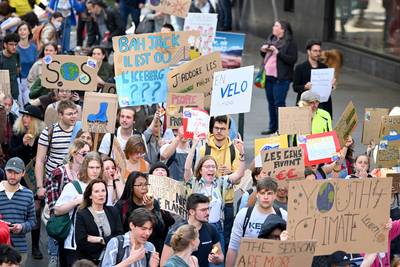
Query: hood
(272, 222)
(211, 142)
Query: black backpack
(231, 150)
(248, 215)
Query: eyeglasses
(83, 154)
(69, 114)
(219, 129)
(141, 185)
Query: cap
(33, 111)
(310, 96)
(339, 258)
(15, 164)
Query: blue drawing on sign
(101, 116)
(233, 89)
(326, 197)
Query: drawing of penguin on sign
(99, 112)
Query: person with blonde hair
(71, 197)
(24, 143)
(135, 150)
(184, 242)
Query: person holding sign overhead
(206, 181)
(302, 73)
(280, 54)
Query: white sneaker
(53, 261)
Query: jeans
(23, 87)
(276, 92)
(66, 35)
(52, 246)
(220, 231)
(126, 10)
(228, 224)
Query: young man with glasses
(198, 213)
(222, 149)
(53, 145)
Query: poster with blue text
(142, 61)
(231, 93)
(231, 46)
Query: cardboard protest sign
(372, 124)
(195, 76)
(245, 182)
(388, 154)
(177, 102)
(346, 123)
(231, 46)
(295, 120)
(319, 148)
(5, 85)
(321, 80)
(70, 72)
(179, 8)
(119, 157)
(141, 63)
(274, 253)
(170, 193)
(340, 214)
(395, 181)
(206, 24)
(99, 113)
(232, 90)
(273, 142)
(284, 163)
(195, 121)
(390, 125)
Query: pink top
(394, 232)
(271, 68)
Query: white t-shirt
(253, 228)
(67, 195)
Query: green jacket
(37, 90)
(322, 122)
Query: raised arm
(238, 174)
(189, 160)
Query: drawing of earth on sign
(69, 71)
(325, 197)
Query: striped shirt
(60, 142)
(19, 209)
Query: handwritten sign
(295, 120)
(267, 143)
(275, 253)
(340, 214)
(231, 46)
(395, 181)
(321, 80)
(232, 90)
(69, 72)
(347, 123)
(196, 76)
(319, 148)
(170, 193)
(390, 125)
(177, 102)
(99, 113)
(142, 61)
(372, 123)
(284, 164)
(388, 154)
(206, 24)
(5, 86)
(179, 8)
(195, 121)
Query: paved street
(364, 91)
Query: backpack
(121, 252)
(248, 215)
(231, 150)
(58, 227)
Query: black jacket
(85, 226)
(113, 23)
(18, 149)
(286, 59)
(302, 75)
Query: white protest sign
(232, 91)
(321, 80)
(206, 24)
(195, 121)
